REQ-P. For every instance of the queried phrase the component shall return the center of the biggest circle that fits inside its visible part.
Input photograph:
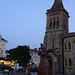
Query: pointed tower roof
(57, 4)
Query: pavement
(33, 73)
(20, 72)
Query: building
(35, 58)
(57, 36)
(69, 54)
(3, 44)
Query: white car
(18, 68)
(6, 71)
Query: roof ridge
(71, 32)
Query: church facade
(57, 36)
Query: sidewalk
(33, 73)
(20, 72)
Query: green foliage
(21, 54)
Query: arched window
(69, 45)
(65, 62)
(57, 21)
(70, 62)
(53, 23)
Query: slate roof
(70, 35)
(4, 39)
(57, 6)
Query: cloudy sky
(23, 22)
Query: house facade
(69, 54)
(35, 58)
(3, 44)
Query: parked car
(18, 68)
(33, 68)
(6, 68)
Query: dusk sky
(23, 22)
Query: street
(20, 72)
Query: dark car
(5, 68)
(33, 68)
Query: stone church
(57, 36)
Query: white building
(3, 44)
(35, 58)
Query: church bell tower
(56, 29)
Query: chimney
(35, 49)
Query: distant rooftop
(34, 50)
(2, 38)
(57, 6)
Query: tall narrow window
(54, 23)
(52, 43)
(50, 23)
(70, 62)
(1, 52)
(65, 62)
(3, 44)
(57, 21)
(69, 45)
(65, 46)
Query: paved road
(16, 73)
(34, 73)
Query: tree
(20, 54)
